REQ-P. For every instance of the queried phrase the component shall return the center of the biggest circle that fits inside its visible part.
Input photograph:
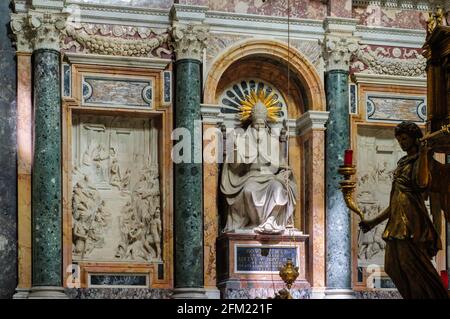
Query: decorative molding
(421, 5)
(339, 25)
(311, 120)
(386, 36)
(211, 114)
(410, 81)
(139, 42)
(22, 32)
(189, 40)
(185, 13)
(292, 129)
(21, 6)
(111, 60)
(114, 14)
(337, 51)
(48, 5)
(261, 25)
(390, 61)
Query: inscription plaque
(263, 259)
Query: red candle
(444, 278)
(348, 158)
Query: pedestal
(249, 263)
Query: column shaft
(8, 151)
(188, 180)
(338, 228)
(46, 175)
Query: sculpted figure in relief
(90, 218)
(140, 221)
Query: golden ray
(254, 97)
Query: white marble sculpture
(116, 191)
(259, 190)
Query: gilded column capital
(48, 29)
(338, 50)
(189, 40)
(22, 32)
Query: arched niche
(269, 61)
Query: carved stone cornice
(311, 120)
(211, 114)
(337, 51)
(47, 29)
(22, 32)
(189, 40)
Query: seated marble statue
(259, 191)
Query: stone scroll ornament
(259, 189)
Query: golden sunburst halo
(269, 101)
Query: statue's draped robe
(258, 196)
(411, 238)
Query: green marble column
(8, 155)
(338, 232)
(46, 174)
(188, 181)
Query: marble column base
(21, 293)
(339, 293)
(189, 293)
(317, 292)
(47, 292)
(212, 293)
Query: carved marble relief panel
(116, 211)
(378, 153)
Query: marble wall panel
(373, 15)
(311, 9)
(395, 108)
(106, 91)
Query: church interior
(224, 149)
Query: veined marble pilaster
(188, 42)
(311, 127)
(22, 39)
(211, 118)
